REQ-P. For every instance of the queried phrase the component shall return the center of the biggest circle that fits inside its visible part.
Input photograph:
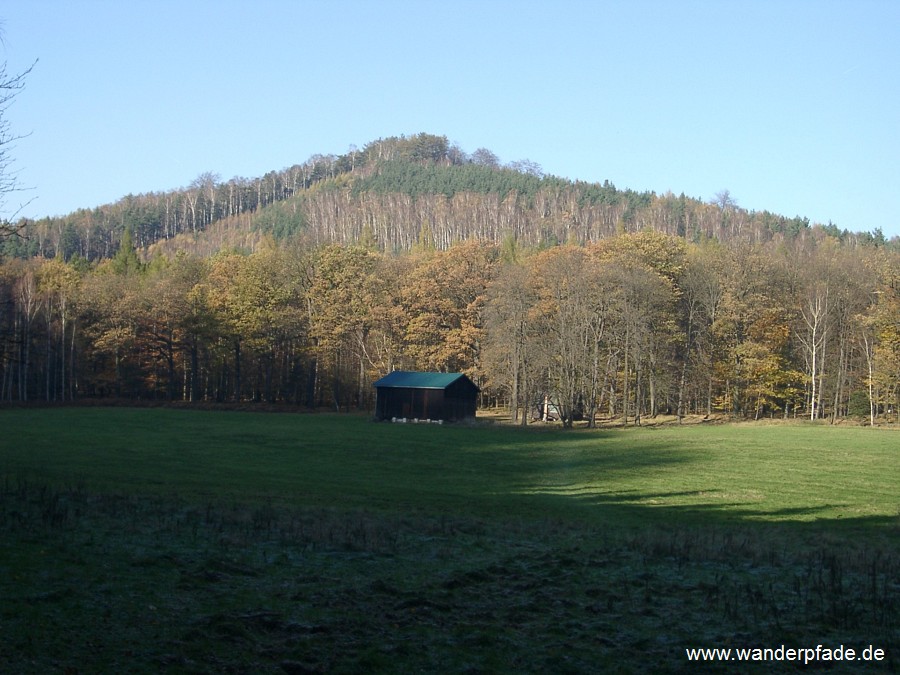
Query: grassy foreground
(188, 541)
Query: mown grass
(196, 541)
(789, 472)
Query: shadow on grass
(638, 506)
(94, 582)
(632, 509)
(618, 479)
(99, 582)
(602, 477)
(201, 542)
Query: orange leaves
(443, 301)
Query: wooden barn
(425, 396)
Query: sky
(793, 106)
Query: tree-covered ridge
(394, 190)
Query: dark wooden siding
(455, 402)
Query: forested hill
(398, 193)
(305, 286)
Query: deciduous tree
(443, 300)
(512, 342)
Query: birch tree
(815, 307)
(58, 284)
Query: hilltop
(398, 192)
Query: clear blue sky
(793, 106)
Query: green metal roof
(404, 379)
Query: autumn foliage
(625, 328)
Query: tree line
(627, 327)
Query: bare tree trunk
(814, 313)
(62, 353)
(514, 393)
(684, 361)
(72, 364)
(638, 395)
(525, 406)
(48, 367)
(869, 348)
(839, 382)
(625, 384)
(237, 370)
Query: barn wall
(435, 404)
(461, 399)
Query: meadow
(148, 540)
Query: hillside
(398, 192)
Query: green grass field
(150, 540)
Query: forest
(305, 285)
